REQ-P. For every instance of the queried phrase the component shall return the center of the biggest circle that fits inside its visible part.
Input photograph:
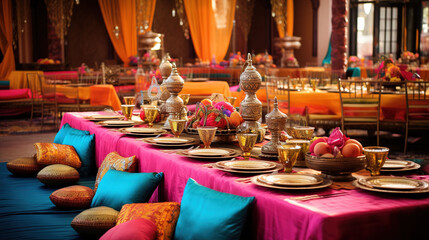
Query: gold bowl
(304, 144)
(303, 132)
(337, 169)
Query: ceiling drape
(6, 38)
(283, 15)
(210, 23)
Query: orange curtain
(121, 14)
(145, 12)
(210, 23)
(289, 17)
(6, 38)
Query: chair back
(201, 73)
(417, 100)
(91, 78)
(278, 87)
(34, 83)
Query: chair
(360, 107)
(417, 111)
(200, 74)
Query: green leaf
(218, 118)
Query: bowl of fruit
(336, 156)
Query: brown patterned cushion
(95, 221)
(58, 175)
(25, 166)
(52, 153)
(164, 215)
(115, 161)
(72, 197)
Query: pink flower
(337, 139)
(225, 107)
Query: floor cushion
(164, 215)
(24, 166)
(85, 149)
(52, 153)
(209, 214)
(118, 188)
(115, 161)
(95, 221)
(78, 197)
(58, 175)
(137, 229)
(66, 129)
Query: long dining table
(358, 214)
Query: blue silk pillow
(209, 214)
(84, 146)
(117, 188)
(66, 129)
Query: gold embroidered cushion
(95, 222)
(115, 161)
(25, 166)
(76, 196)
(53, 153)
(56, 175)
(164, 215)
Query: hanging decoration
(183, 21)
(243, 15)
(60, 13)
(278, 12)
(144, 15)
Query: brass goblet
(314, 83)
(177, 126)
(127, 111)
(375, 158)
(150, 112)
(246, 142)
(185, 98)
(231, 100)
(288, 154)
(207, 135)
(129, 100)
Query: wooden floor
(21, 145)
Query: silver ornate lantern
(174, 103)
(276, 123)
(165, 69)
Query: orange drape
(210, 28)
(121, 13)
(6, 38)
(289, 18)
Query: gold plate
(277, 168)
(413, 191)
(117, 122)
(392, 183)
(171, 140)
(208, 152)
(191, 142)
(141, 130)
(232, 153)
(395, 164)
(291, 179)
(247, 165)
(412, 166)
(103, 117)
(325, 183)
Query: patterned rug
(22, 125)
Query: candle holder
(174, 103)
(276, 122)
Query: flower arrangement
(236, 59)
(354, 61)
(408, 57)
(133, 60)
(217, 114)
(156, 74)
(48, 61)
(151, 58)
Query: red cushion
(10, 94)
(140, 228)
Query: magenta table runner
(356, 215)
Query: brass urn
(276, 123)
(174, 103)
(251, 107)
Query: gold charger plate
(97, 118)
(277, 168)
(209, 152)
(290, 179)
(136, 132)
(192, 142)
(172, 140)
(116, 123)
(392, 183)
(232, 154)
(368, 188)
(324, 184)
(395, 164)
(249, 165)
(413, 166)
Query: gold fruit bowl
(337, 169)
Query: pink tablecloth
(357, 215)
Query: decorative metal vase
(165, 68)
(251, 107)
(276, 122)
(174, 103)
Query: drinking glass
(150, 112)
(314, 83)
(304, 144)
(185, 98)
(207, 135)
(288, 154)
(246, 142)
(177, 126)
(375, 158)
(231, 100)
(129, 100)
(127, 111)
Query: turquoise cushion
(117, 188)
(65, 129)
(209, 214)
(84, 146)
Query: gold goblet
(127, 111)
(207, 135)
(314, 83)
(150, 112)
(129, 100)
(288, 154)
(231, 100)
(246, 142)
(375, 158)
(177, 126)
(185, 98)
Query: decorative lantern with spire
(276, 122)
(165, 69)
(174, 103)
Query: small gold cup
(288, 154)
(207, 135)
(127, 111)
(129, 100)
(150, 112)
(375, 158)
(246, 142)
(305, 145)
(177, 126)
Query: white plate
(208, 152)
(396, 164)
(247, 164)
(392, 183)
(171, 140)
(291, 179)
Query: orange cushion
(72, 197)
(53, 153)
(164, 215)
(25, 166)
(58, 175)
(115, 161)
